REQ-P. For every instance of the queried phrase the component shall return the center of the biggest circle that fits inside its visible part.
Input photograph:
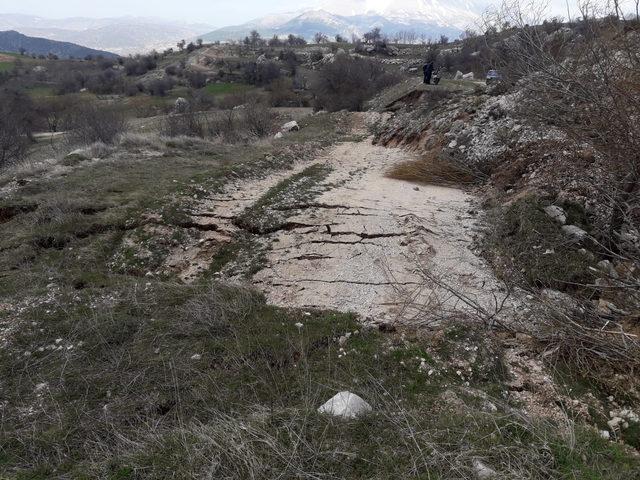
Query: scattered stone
(77, 155)
(328, 58)
(346, 405)
(556, 213)
(614, 423)
(196, 356)
(41, 386)
(586, 253)
(452, 400)
(278, 135)
(605, 307)
(482, 471)
(489, 407)
(575, 233)
(291, 126)
(181, 105)
(607, 267)
(605, 434)
(468, 76)
(458, 75)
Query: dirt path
(386, 249)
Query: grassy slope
(226, 88)
(111, 373)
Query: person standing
(427, 69)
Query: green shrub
(348, 82)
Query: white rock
(181, 105)
(490, 407)
(291, 126)
(605, 434)
(41, 386)
(278, 135)
(328, 58)
(482, 471)
(574, 233)
(196, 356)
(78, 152)
(607, 267)
(468, 76)
(556, 213)
(346, 405)
(614, 423)
(458, 76)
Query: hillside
(15, 42)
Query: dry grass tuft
(434, 168)
(601, 349)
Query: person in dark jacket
(427, 69)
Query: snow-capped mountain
(431, 18)
(459, 13)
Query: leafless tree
(584, 81)
(88, 123)
(320, 38)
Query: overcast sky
(213, 12)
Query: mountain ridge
(307, 23)
(14, 42)
(121, 35)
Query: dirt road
(386, 249)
